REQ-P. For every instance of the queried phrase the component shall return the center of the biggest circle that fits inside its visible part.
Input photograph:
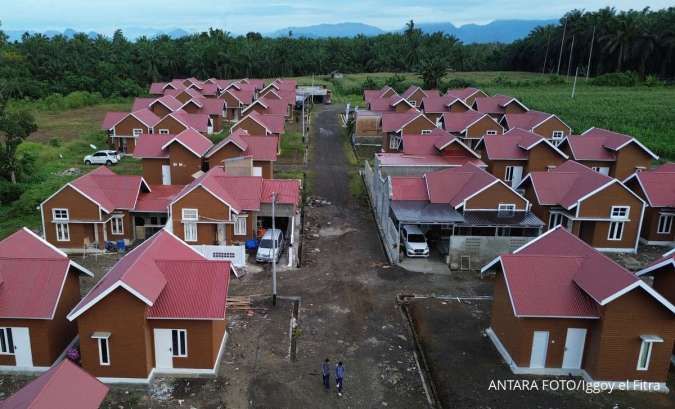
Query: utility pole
(574, 86)
(569, 62)
(304, 140)
(274, 251)
(590, 54)
(548, 43)
(561, 47)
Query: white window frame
(185, 213)
(395, 142)
(665, 220)
(413, 102)
(190, 231)
(117, 225)
(240, 225)
(62, 231)
(621, 209)
(99, 342)
(504, 209)
(645, 348)
(508, 173)
(57, 210)
(137, 132)
(614, 228)
(426, 131)
(179, 353)
(5, 337)
(164, 131)
(491, 132)
(560, 220)
(558, 135)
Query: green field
(641, 111)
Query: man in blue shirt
(325, 372)
(339, 377)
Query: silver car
(106, 157)
(267, 251)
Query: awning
(423, 212)
(100, 334)
(493, 218)
(651, 338)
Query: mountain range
(505, 31)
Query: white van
(267, 250)
(414, 241)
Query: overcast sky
(259, 15)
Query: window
(179, 342)
(615, 230)
(163, 131)
(413, 102)
(190, 231)
(239, 226)
(506, 209)
(508, 173)
(426, 131)
(558, 134)
(6, 341)
(490, 132)
(191, 214)
(503, 231)
(117, 225)
(620, 212)
(602, 170)
(60, 214)
(556, 219)
(665, 224)
(394, 142)
(103, 347)
(137, 131)
(62, 232)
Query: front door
(221, 234)
(123, 145)
(22, 350)
(574, 348)
(163, 352)
(517, 176)
(539, 349)
(166, 174)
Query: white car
(267, 249)
(414, 241)
(102, 158)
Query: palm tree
(432, 71)
(623, 34)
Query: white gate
(378, 191)
(234, 254)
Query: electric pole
(274, 251)
(569, 62)
(590, 54)
(562, 42)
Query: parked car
(267, 251)
(414, 241)
(102, 158)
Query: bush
(55, 142)
(616, 79)
(455, 83)
(10, 192)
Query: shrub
(10, 192)
(455, 83)
(616, 79)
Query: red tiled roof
(270, 106)
(427, 92)
(146, 116)
(287, 190)
(566, 184)
(32, 273)
(140, 103)
(454, 185)
(193, 141)
(514, 145)
(439, 104)
(112, 118)
(387, 104)
(262, 148)
(273, 123)
(457, 122)
(157, 88)
(526, 120)
(408, 188)
(150, 146)
(65, 385)
(432, 144)
(108, 189)
(659, 185)
(601, 144)
(244, 95)
(462, 93)
(394, 121)
(494, 104)
(158, 199)
(198, 122)
(435, 160)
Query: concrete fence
(234, 254)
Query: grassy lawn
(292, 148)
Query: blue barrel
(121, 246)
(251, 244)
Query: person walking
(325, 372)
(339, 377)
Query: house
(608, 152)
(542, 123)
(38, 286)
(394, 103)
(179, 121)
(518, 152)
(212, 107)
(124, 128)
(499, 105)
(219, 209)
(468, 94)
(657, 188)
(396, 124)
(435, 106)
(599, 209)
(65, 385)
(161, 106)
(261, 124)
(262, 150)
(470, 126)
(562, 308)
(662, 275)
(172, 159)
(159, 310)
(414, 94)
(270, 106)
(237, 97)
(422, 153)
(458, 206)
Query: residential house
(599, 209)
(425, 153)
(179, 121)
(562, 308)
(161, 106)
(661, 273)
(414, 94)
(167, 104)
(262, 150)
(394, 103)
(396, 124)
(608, 152)
(372, 94)
(270, 106)
(542, 123)
(218, 208)
(261, 124)
(435, 106)
(471, 126)
(499, 105)
(461, 205)
(38, 286)
(159, 310)
(123, 128)
(65, 385)
(468, 94)
(657, 188)
(518, 152)
(172, 159)
(237, 96)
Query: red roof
(108, 189)
(262, 148)
(408, 188)
(32, 273)
(244, 95)
(142, 273)
(454, 185)
(514, 145)
(65, 385)
(495, 104)
(526, 120)
(207, 106)
(371, 94)
(273, 123)
(170, 102)
(192, 141)
(432, 143)
(457, 122)
(158, 199)
(270, 106)
(287, 190)
(413, 88)
(395, 121)
(146, 116)
(150, 146)
(658, 185)
(439, 104)
(462, 93)
(387, 104)
(566, 184)
(198, 122)
(112, 118)
(434, 160)
(601, 145)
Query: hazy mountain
(329, 30)
(505, 31)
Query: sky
(237, 16)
